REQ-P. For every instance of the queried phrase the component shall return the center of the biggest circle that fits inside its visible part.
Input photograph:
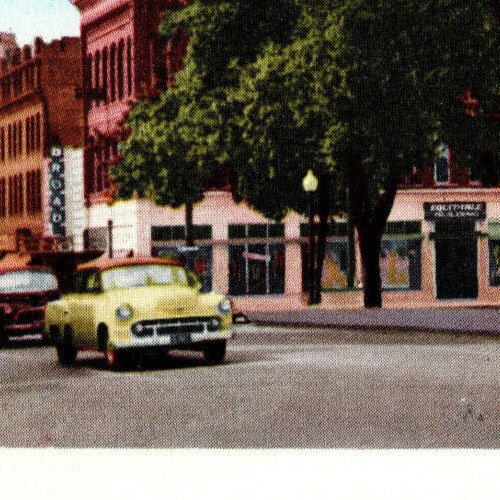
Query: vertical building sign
(56, 192)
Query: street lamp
(310, 185)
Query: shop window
(256, 268)
(178, 233)
(251, 231)
(167, 241)
(400, 264)
(333, 229)
(494, 252)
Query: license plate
(181, 338)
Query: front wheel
(66, 354)
(115, 360)
(215, 352)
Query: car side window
(88, 281)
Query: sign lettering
(437, 211)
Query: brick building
(38, 109)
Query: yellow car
(128, 306)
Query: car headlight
(7, 310)
(123, 313)
(224, 307)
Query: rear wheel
(215, 352)
(66, 352)
(4, 338)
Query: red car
(24, 293)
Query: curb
(372, 328)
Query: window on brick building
(38, 135)
(97, 75)
(3, 198)
(2, 144)
(14, 140)
(88, 73)
(105, 71)
(129, 66)
(33, 191)
(27, 134)
(16, 195)
(112, 72)
(120, 74)
(9, 141)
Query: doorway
(456, 259)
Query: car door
(83, 304)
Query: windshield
(143, 276)
(27, 282)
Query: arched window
(105, 70)
(97, 76)
(112, 72)
(120, 75)
(129, 66)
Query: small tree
(160, 161)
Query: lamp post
(310, 185)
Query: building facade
(39, 110)
(442, 243)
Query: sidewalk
(467, 320)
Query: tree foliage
(361, 91)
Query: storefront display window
(256, 268)
(167, 242)
(335, 266)
(400, 264)
(400, 256)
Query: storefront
(440, 247)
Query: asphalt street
(279, 387)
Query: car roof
(104, 263)
(16, 262)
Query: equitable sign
(435, 211)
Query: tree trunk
(370, 220)
(189, 225)
(370, 245)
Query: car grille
(28, 317)
(180, 326)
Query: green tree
(359, 91)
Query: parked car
(130, 306)
(24, 294)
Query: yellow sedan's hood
(173, 299)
